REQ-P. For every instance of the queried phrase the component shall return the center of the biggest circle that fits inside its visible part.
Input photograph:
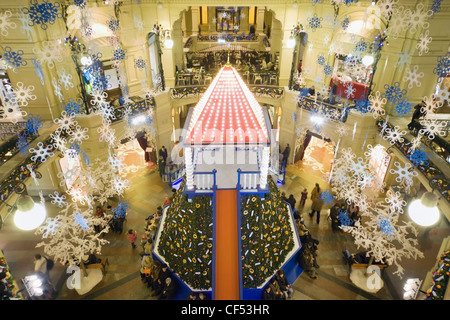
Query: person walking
(304, 196)
(132, 236)
(334, 213)
(286, 153)
(316, 207)
(163, 153)
(291, 200)
(161, 166)
(315, 192)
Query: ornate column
(189, 168)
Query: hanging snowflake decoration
(65, 79)
(395, 201)
(385, 225)
(42, 14)
(327, 197)
(435, 7)
(81, 221)
(33, 124)
(78, 135)
(50, 53)
(314, 2)
(23, 94)
(350, 91)
(403, 60)
(361, 46)
(106, 134)
(119, 54)
(6, 23)
(116, 163)
(377, 103)
(98, 98)
(10, 111)
(413, 77)
(394, 135)
(404, 174)
(387, 7)
(430, 105)
(342, 130)
(327, 69)
(140, 63)
(121, 210)
(65, 122)
(113, 24)
(321, 60)
(344, 219)
(41, 153)
(80, 3)
(22, 144)
(59, 142)
(398, 22)
(424, 41)
(362, 105)
(69, 175)
(403, 108)
(443, 66)
(13, 59)
(417, 19)
(49, 227)
(443, 94)
(72, 107)
(419, 157)
(393, 94)
(315, 22)
(120, 185)
(345, 23)
(431, 128)
(57, 199)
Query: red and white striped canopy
(227, 113)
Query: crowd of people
(278, 287)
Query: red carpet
(227, 264)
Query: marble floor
(147, 192)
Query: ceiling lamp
(29, 215)
(424, 211)
(290, 43)
(367, 60)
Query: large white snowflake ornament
(418, 18)
(395, 200)
(443, 94)
(65, 79)
(430, 105)
(23, 94)
(6, 23)
(413, 77)
(394, 135)
(50, 53)
(49, 227)
(42, 152)
(57, 90)
(66, 122)
(376, 105)
(11, 111)
(404, 174)
(432, 127)
(58, 199)
(424, 41)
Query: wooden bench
(101, 265)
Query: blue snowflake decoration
(121, 210)
(393, 93)
(22, 144)
(385, 225)
(82, 222)
(140, 63)
(32, 125)
(80, 3)
(327, 69)
(327, 197)
(73, 107)
(13, 58)
(344, 219)
(348, 3)
(361, 46)
(321, 60)
(38, 70)
(113, 24)
(96, 66)
(403, 108)
(362, 105)
(345, 23)
(42, 14)
(303, 93)
(100, 82)
(443, 67)
(315, 22)
(436, 6)
(419, 157)
(314, 2)
(74, 150)
(119, 54)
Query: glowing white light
(31, 219)
(168, 43)
(423, 215)
(290, 43)
(367, 60)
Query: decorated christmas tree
(266, 236)
(186, 241)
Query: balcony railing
(333, 111)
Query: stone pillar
(260, 20)
(195, 19)
(189, 168)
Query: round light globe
(168, 43)
(424, 211)
(31, 219)
(290, 43)
(367, 60)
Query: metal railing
(205, 181)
